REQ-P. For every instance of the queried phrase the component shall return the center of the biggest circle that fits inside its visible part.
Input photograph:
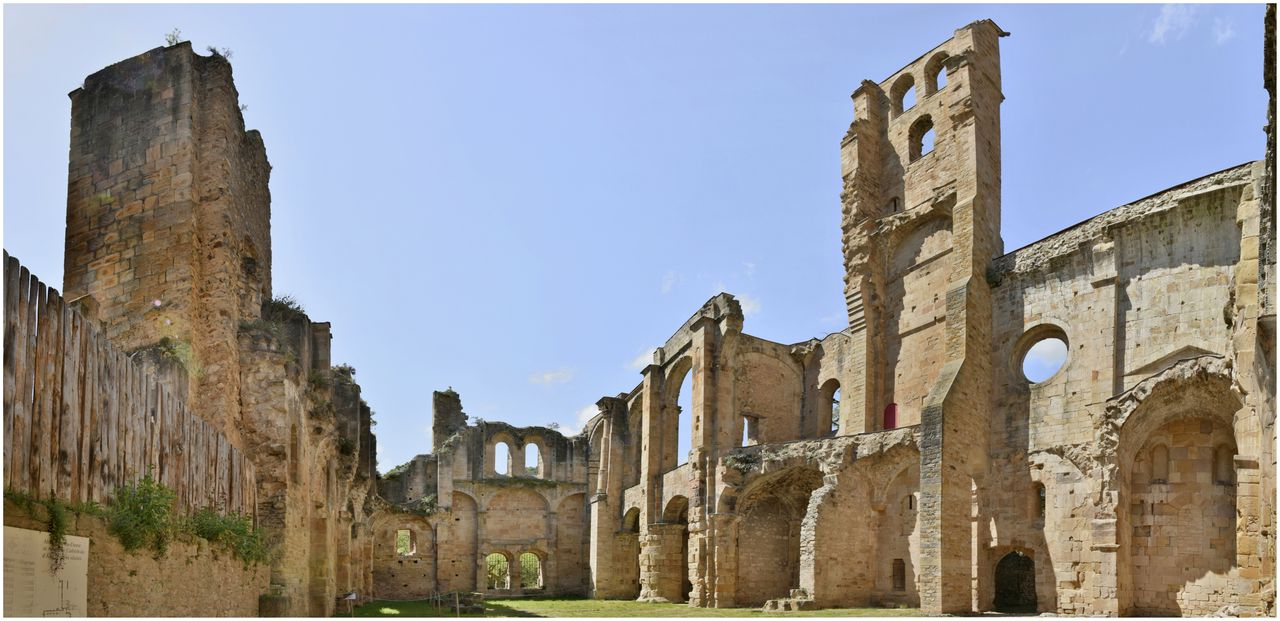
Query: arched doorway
(771, 511)
(676, 517)
(1016, 583)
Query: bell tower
(920, 224)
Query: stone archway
(1015, 583)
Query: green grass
(572, 607)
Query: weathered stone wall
(140, 584)
(168, 244)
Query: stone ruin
(905, 460)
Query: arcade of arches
(928, 455)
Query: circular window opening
(1044, 358)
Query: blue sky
(520, 201)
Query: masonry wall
(138, 584)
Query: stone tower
(921, 223)
(168, 215)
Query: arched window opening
(406, 543)
(903, 94)
(891, 416)
(1044, 358)
(920, 138)
(835, 413)
(530, 571)
(899, 574)
(1160, 464)
(502, 459)
(1224, 466)
(750, 430)
(532, 461)
(829, 408)
(936, 73)
(909, 503)
(1040, 500)
(497, 572)
(684, 410)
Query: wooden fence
(81, 418)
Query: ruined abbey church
(905, 460)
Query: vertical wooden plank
(99, 437)
(69, 419)
(25, 404)
(85, 380)
(40, 394)
(128, 420)
(56, 346)
(111, 399)
(11, 356)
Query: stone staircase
(799, 599)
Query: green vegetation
(741, 462)
(233, 530)
(140, 515)
(530, 571)
(173, 38)
(519, 481)
(573, 607)
(283, 309)
(497, 571)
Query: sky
(520, 202)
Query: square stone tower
(168, 215)
(921, 223)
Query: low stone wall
(193, 579)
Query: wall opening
(921, 138)
(497, 572)
(1041, 500)
(891, 416)
(829, 407)
(750, 430)
(684, 411)
(1016, 583)
(530, 571)
(903, 94)
(532, 461)
(935, 72)
(899, 574)
(406, 542)
(1044, 358)
(502, 459)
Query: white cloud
(547, 378)
(643, 360)
(751, 268)
(1173, 22)
(668, 281)
(750, 305)
(584, 415)
(1223, 31)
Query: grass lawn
(563, 607)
